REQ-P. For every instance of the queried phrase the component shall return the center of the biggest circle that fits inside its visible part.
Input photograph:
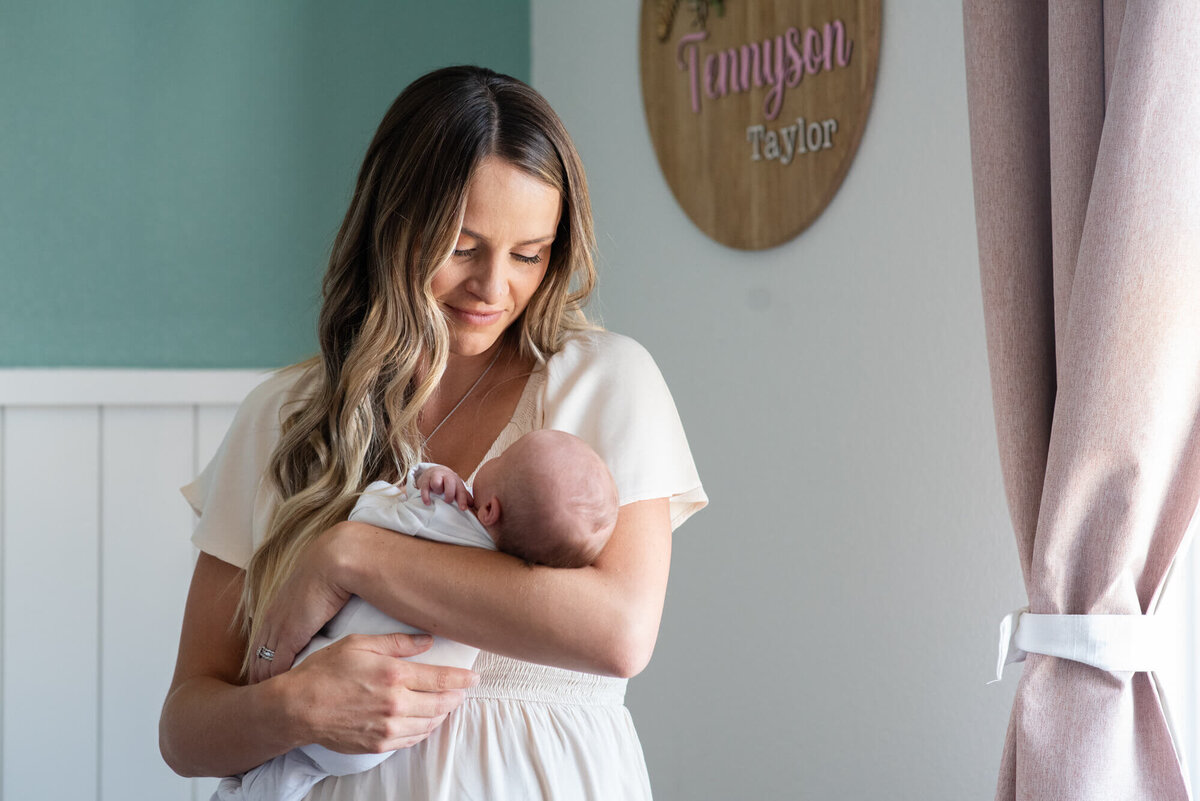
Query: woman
(452, 323)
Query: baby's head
(549, 499)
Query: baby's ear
(489, 513)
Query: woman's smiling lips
(476, 316)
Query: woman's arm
(355, 696)
(602, 619)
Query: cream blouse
(602, 387)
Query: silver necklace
(466, 395)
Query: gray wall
(172, 174)
(831, 618)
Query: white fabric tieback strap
(1110, 642)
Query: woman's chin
(473, 344)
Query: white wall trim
(122, 387)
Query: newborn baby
(547, 499)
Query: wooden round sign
(756, 107)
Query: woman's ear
(489, 513)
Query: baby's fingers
(435, 486)
(462, 496)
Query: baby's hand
(438, 480)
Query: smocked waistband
(501, 678)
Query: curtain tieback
(1135, 643)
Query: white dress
(290, 776)
(525, 731)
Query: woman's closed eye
(467, 253)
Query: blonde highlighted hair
(383, 339)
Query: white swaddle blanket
(290, 776)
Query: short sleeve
(230, 496)
(606, 389)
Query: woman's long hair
(383, 339)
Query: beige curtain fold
(1085, 143)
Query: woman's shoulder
(606, 389)
(268, 402)
(227, 494)
(600, 350)
(601, 340)
(599, 373)
(255, 427)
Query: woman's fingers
(406, 740)
(417, 676)
(279, 656)
(397, 644)
(304, 603)
(429, 706)
(292, 638)
(262, 657)
(258, 668)
(419, 714)
(367, 699)
(439, 678)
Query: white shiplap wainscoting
(94, 568)
(95, 563)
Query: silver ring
(264, 652)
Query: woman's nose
(487, 281)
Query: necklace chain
(466, 395)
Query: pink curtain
(1085, 144)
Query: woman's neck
(464, 376)
(474, 401)
(465, 369)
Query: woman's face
(501, 255)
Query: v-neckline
(522, 410)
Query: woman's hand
(307, 600)
(359, 696)
(356, 695)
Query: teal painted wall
(172, 174)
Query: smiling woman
(452, 325)
(500, 257)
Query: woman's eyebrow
(482, 238)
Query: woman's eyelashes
(467, 253)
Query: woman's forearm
(602, 619)
(211, 725)
(212, 728)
